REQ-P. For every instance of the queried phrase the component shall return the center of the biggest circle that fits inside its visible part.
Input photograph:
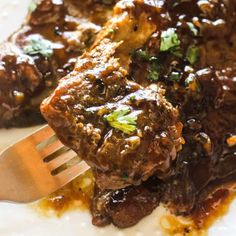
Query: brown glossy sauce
(213, 208)
(203, 217)
(77, 195)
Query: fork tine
(72, 172)
(50, 149)
(62, 159)
(41, 134)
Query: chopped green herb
(142, 55)
(32, 6)
(123, 119)
(176, 52)
(57, 31)
(37, 45)
(169, 39)
(193, 54)
(125, 176)
(132, 98)
(111, 31)
(174, 76)
(175, 4)
(192, 28)
(154, 71)
(153, 75)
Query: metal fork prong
(33, 168)
(41, 134)
(61, 159)
(52, 148)
(72, 172)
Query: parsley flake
(153, 75)
(32, 6)
(169, 40)
(154, 71)
(193, 54)
(123, 119)
(111, 31)
(176, 52)
(37, 45)
(132, 98)
(174, 76)
(142, 55)
(192, 28)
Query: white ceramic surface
(21, 220)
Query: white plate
(21, 220)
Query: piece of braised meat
(124, 131)
(41, 52)
(125, 207)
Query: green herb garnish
(169, 40)
(155, 69)
(32, 6)
(175, 4)
(132, 98)
(176, 52)
(153, 75)
(174, 76)
(37, 45)
(142, 55)
(192, 28)
(125, 176)
(193, 54)
(111, 31)
(123, 119)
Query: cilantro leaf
(32, 6)
(174, 76)
(111, 31)
(176, 51)
(123, 119)
(192, 28)
(142, 55)
(37, 45)
(193, 54)
(155, 70)
(169, 40)
(153, 75)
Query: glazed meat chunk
(124, 131)
(125, 207)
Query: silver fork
(37, 166)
